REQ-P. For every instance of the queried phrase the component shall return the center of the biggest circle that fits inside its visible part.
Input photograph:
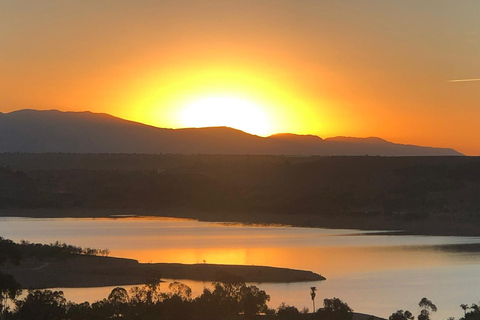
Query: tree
(80, 311)
(181, 290)
(118, 296)
(219, 303)
(9, 290)
(118, 299)
(230, 299)
(253, 301)
(149, 294)
(474, 314)
(428, 307)
(401, 315)
(313, 295)
(9, 252)
(286, 312)
(464, 307)
(335, 309)
(42, 305)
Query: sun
(226, 111)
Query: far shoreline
(376, 225)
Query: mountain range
(86, 132)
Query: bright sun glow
(226, 111)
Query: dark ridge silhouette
(86, 132)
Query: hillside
(85, 132)
(419, 194)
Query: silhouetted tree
(230, 299)
(118, 300)
(80, 311)
(474, 314)
(181, 290)
(286, 312)
(9, 290)
(42, 305)
(401, 315)
(253, 301)
(313, 295)
(428, 307)
(464, 307)
(335, 309)
(148, 294)
(9, 252)
(118, 296)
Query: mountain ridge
(41, 131)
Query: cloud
(464, 80)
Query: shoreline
(380, 225)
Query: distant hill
(423, 195)
(86, 132)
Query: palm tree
(313, 294)
(464, 307)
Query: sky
(407, 71)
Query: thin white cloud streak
(464, 80)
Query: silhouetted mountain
(86, 132)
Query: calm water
(375, 274)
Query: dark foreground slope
(420, 194)
(86, 132)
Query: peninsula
(38, 266)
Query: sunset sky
(406, 71)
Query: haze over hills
(85, 132)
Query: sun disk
(226, 111)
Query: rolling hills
(37, 131)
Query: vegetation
(15, 252)
(473, 314)
(233, 300)
(9, 290)
(426, 305)
(402, 315)
(335, 309)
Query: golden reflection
(188, 255)
(331, 262)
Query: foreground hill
(86, 132)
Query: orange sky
(354, 68)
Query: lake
(374, 273)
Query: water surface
(374, 273)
